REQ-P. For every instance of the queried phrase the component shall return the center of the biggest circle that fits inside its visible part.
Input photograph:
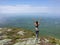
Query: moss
(13, 34)
(28, 33)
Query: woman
(36, 28)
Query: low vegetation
(16, 34)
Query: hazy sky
(29, 6)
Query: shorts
(37, 32)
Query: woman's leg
(37, 34)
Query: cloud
(54, 10)
(5, 9)
(22, 9)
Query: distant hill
(48, 25)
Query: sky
(29, 6)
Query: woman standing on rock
(36, 28)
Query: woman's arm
(38, 23)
